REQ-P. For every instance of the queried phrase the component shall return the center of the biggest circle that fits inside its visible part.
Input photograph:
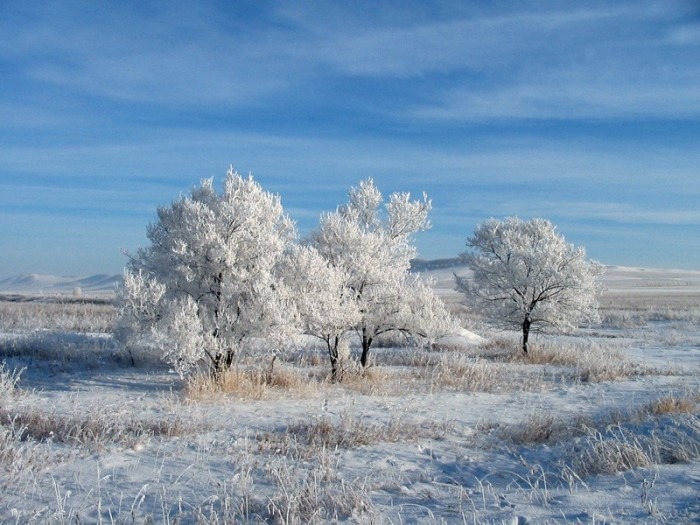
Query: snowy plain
(606, 431)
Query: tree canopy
(526, 276)
(371, 243)
(210, 280)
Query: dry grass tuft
(93, 429)
(8, 380)
(672, 404)
(458, 372)
(616, 450)
(592, 363)
(18, 458)
(315, 496)
(307, 439)
(682, 443)
(665, 431)
(251, 383)
(462, 373)
(443, 371)
(542, 427)
(538, 428)
(500, 346)
(376, 380)
(408, 357)
(589, 361)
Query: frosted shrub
(8, 381)
(179, 336)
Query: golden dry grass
(252, 383)
(591, 362)
(674, 404)
(92, 429)
(308, 438)
(70, 316)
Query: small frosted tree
(209, 282)
(324, 302)
(527, 277)
(371, 244)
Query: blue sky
(584, 113)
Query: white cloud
(180, 55)
(626, 213)
(355, 45)
(549, 100)
(141, 104)
(686, 34)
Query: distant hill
(41, 284)
(36, 283)
(426, 265)
(439, 272)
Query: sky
(583, 113)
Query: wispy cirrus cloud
(586, 113)
(629, 214)
(404, 43)
(184, 55)
(568, 99)
(560, 64)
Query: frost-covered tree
(371, 242)
(324, 302)
(527, 277)
(209, 283)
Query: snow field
(598, 427)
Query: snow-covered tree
(209, 283)
(323, 301)
(371, 243)
(527, 277)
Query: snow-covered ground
(458, 433)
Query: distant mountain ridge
(424, 265)
(34, 283)
(439, 271)
(104, 283)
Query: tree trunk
(366, 344)
(216, 368)
(221, 363)
(229, 358)
(333, 354)
(526, 332)
(269, 373)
